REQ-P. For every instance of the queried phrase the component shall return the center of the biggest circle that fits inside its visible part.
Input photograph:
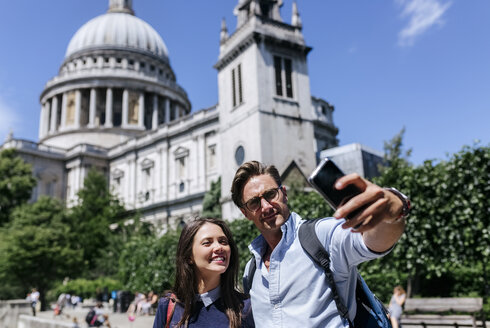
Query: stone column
(141, 113)
(158, 174)
(78, 106)
(76, 184)
(93, 102)
(167, 110)
(177, 111)
(47, 109)
(201, 162)
(125, 107)
(63, 111)
(108, 108)
(43, 120)
(54, 113)
(154, 117)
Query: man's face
(270, 215)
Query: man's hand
(378, 221)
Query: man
(34, 299)
(288, 290)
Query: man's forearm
(384, 235)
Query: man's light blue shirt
(294, 292)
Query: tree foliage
(147, 263)
(85, 288)
(211, 206)
(244, 232)
(16, 183)
(37, 249)
(96, 210)
(310, 205)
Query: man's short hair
(245, 172)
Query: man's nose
(264, 204)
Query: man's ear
(285, 193)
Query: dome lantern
(121, 6)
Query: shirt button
(276, 306)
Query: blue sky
(384, 65)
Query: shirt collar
(210, 297)
(289, 228)
(259, 245)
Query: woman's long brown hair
(186, 280)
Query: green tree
(308, 204)
(244, 232)
(96, 210)
(16, 183)
(85, 288)
(11, 288)
(211, 206)
(108, 263)
(466, 189)
(37, 249)
(147, 262)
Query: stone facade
(116, 106)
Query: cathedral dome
(114, 83)
(118, 30)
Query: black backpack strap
(312, 245)
(247, 283)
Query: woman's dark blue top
(209, 312)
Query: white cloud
(422, 15)
(8, 118)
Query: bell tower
(265, 103)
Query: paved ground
(117, 320)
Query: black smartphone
(323, 179)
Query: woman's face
(210, 250)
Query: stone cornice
(257, 38)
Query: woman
(205, 291)
(396, 304)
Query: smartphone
(323, 179)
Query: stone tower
(266, 109)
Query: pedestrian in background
(396, 305)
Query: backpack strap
(314, 248)
(247, 283)
(170, 309)
(94, 318)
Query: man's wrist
(406, 206)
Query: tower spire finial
(224, 32)
(295, 19)
(121, 6)
(255, 8)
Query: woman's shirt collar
(210, 297)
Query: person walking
(34, 298)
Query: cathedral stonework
(116, 106)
